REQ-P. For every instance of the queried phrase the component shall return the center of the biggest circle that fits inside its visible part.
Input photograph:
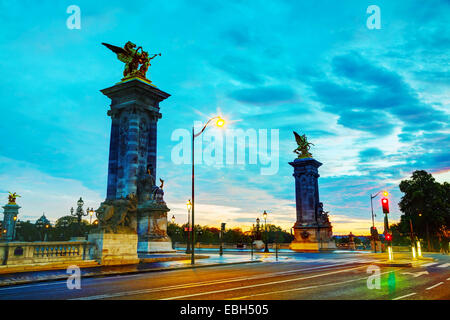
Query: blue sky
(374, 102)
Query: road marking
(436, 285)
(199, 284)
(405, 296)
(445, 265)
(303, 288)
(416, 274)
(429, 264)
(64, 281)
(260, 284)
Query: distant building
(42, 221)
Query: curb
(427, 259)
(17, 283)
(393, 264)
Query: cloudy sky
(375, 103)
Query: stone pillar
(9, 221)
(134, 114)
(312, 230)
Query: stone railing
(16, 253)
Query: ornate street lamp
(79, 213)
(266, 248)
(43, 224)
(173, 219)
(220, 122)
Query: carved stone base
(152, 228)
(312, 239)
(114, 248)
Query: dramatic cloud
(264, 95)
(374, 102)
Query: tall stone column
(312, 230)
(134, 113)
(9, 221)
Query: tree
(426, 203)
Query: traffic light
(388, 236)
(385, 205)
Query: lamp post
(198, 233)
(79, 213)
(188, 242)
(44, 224)
(412, 236)
(177, 232)
(220, 123)
(266, 248)
(18, 226)
(222, 229)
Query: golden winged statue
(137, 61)
(303, 146)
(12, 197)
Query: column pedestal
(9, 221)
(152, 228)
(114, 248)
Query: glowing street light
(91, 213)
(220, 122)
(173, 219)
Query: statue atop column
(303, 146)
(137, 61)
(12, 197)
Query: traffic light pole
(388, 235)
(413, 245)
(373, 220)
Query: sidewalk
(149, 263)
(401, 259)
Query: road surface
(298, 276)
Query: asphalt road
(299, 276)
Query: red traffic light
(385, 205)
(388, 237)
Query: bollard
(390, 253)
(419, 249)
